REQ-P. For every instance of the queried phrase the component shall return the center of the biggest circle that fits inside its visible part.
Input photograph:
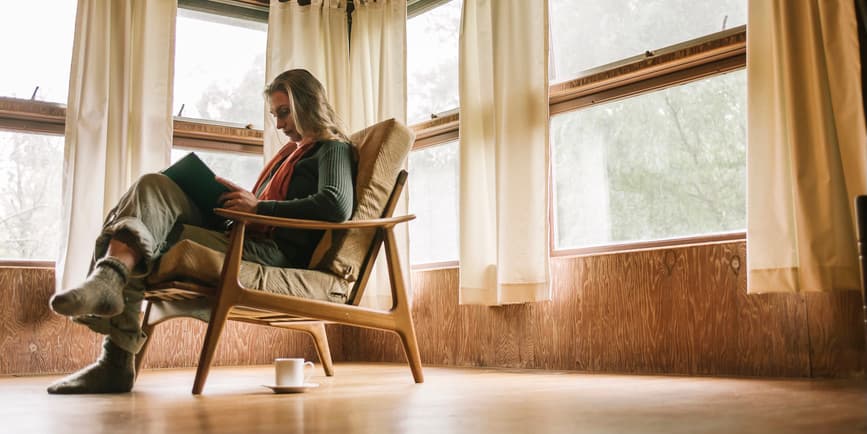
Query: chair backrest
(382, 152)
(357, 291)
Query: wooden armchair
(343, 260)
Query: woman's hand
(237, 199)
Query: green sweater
(322, 187)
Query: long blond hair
(311, 111)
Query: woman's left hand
(237, 199)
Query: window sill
(20, 263)
(430, 266)
(613, 249)
(207, 135)
(49, 117)
(670, 243)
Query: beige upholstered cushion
(382, 151)
(190, 261)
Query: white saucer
(292, 389)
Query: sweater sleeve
(333, 200)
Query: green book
(197, 181)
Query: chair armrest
(311, 224)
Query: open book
(197, 181)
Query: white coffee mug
(290, 372)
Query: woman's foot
(101, 294)
(113, 372)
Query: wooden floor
(381, 398)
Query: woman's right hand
(237, 199)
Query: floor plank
(381, 398)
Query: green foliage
(674, 164)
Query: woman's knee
(156, 181)
(154, 185)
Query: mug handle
(307, 377)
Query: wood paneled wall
(34, 340)
(681, 311)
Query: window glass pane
(220, 68)
(665, 164)
(432, 62)
(433, 198)
(37, 38)
(30, 183)
(242, 169)
(591, 33)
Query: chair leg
(320, 340)
(402, 312)
(322, 349)
(209, 347)
(410, 347)
(148, 330)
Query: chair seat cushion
(193, 262)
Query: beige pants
(152, 216)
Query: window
(39, 35)
(647, 128)
(637, 162)
(219, 68)
(665, 164)
(31, 161)
(219, 78)
(433, 198)
(432, 88)
(30, 170)
(591, 33)
(242, 169)
(432, 61)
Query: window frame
(688, 61)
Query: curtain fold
(807, 158)
(315, 37)
(378, 92)
(118, 117)
(503, 75)
(378, 62)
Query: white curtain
(503, 75)
(378, 92)
(118, 116)
(807, 158)
(314, 37)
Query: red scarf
(278, 187)
(287, 157)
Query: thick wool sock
(113, 372)
(101, 294)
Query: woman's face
(281, 111)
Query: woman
(311, 177)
